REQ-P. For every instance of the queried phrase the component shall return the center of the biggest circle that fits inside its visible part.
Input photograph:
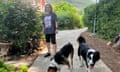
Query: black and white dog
(89, 55)
(62, 58)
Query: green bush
(3, 13)
(68, 16)
(23, 68)
(108, 23)
(82, 20)
(10, 68)
(18, 22)
(6, 67)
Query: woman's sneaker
(47, 55)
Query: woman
(50, 28)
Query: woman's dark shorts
(50, 38)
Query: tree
(68, 15)
(18, 22)
(108, 13)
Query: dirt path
(108, 54)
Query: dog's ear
(81, 39)
(97, 55)
(52, 69)
(49, 70)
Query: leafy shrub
(6, 67)
(23, 68)
(64, 7)
(10, 68)
(89, 17)
(3, 13)
(18, 23)
(68, 16)
(82, 20)
(108, 23)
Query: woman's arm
(56, 25)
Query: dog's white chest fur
(53, 64)
(90, 61)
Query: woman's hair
(50, 6)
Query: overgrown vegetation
(10, 68)
(79, 4)
(6, 67)
(68, 16)
(108, 23)
(18, 23)
(22, 68)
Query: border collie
(89, 55)
(62, 57)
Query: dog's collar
(53, 64)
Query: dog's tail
(81, 39)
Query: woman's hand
(56, 31)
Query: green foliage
(6, 67)
(23, 68)
(80, 4)
(108, 23)
(18, 22)
(3, 13)
(10, 68)
(63, 7)
(82, 21)
(89, 16)
(68, 16)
